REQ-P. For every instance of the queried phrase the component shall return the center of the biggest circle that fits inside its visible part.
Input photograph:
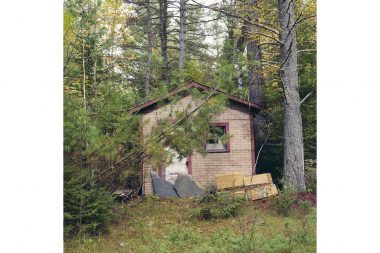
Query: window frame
(228, 144)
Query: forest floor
(173, 225)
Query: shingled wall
(205, 168)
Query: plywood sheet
(265, 178)
(238, 193)
(263, 191)
(229, 180)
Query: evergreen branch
(238, 17)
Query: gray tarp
(162, 188)
(183, 187)
(186, 186)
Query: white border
(31, 126)
(348, 126)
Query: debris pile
(253, 187)
(161, 187)
(123, 195)
(184, 186)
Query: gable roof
(139, 108)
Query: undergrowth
(219, 206)
(175, 225)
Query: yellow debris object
(229, 180)
(263, 191)
(253, 187)
(258, 179)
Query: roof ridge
(153, 101)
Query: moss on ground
(154, 225)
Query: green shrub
(311, 175)
(220, 205)
(205, 213)
(87, 208)
(151, 199)
(229, 210)
(210, 194)
(305, 206)
(284, 201)
(208, 198)
(210, 189)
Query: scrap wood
(238, 180)
(229, 180)
(263, 192)
(258, 179)
(239, 193)
(125, 194)
(260, 192)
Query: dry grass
(154, 225)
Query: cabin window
(218, 138)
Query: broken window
(217, 139)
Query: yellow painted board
(238, 193)
(263, 191)
(229, 180)
(265, 178)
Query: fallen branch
(308, 95)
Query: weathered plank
(265, 178)
(229, 180)
(237, 180)
(238, 193)
(262, 191)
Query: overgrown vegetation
(155, 225)
(87, 210)
(311, 175)
(219, 206)
(106, 53)
(284, 201)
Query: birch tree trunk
(150, 42)
(164, 38)
(182, 33)
(293, 146)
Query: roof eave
(151, 102)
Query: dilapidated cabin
(237, 154)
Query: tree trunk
(84, 75)
(255, 74)
(182, 33)
(293, 146)
(150, 42)
(164, 38)
(240, 49)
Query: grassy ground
(153, 225)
